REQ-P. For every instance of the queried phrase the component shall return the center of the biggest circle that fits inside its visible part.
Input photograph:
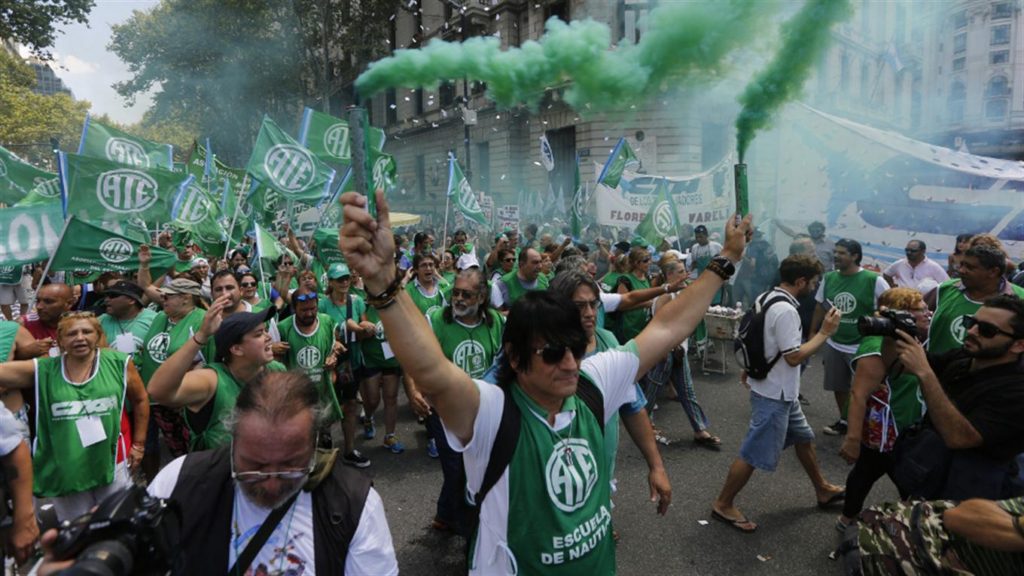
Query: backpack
(505, 446)
(749, 343)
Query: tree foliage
(28, 120)
(33, 22)
(219, 65)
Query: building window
(1000, 35)
(558, 9)
(446, 93)
(482, 166)
(958, 63)
(999, 57)
(996, 109)
(997, 86)
(477, 87)
(421, 177)
(960, 20)
(1002, 10)
(960, 43)
(957, 97)
(417, 98)
(391, 103)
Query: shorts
(346, 386)
(774, 426)
(838, 369)
(11, 293)
(366, 372)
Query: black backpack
(749, 343)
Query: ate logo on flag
(380, 173)
(126, 152)
(466, 197)
(194, 208)
(126, 191)
(663, 219)
(290, 167)
(336, 142)
(47, 188)
(115, 250)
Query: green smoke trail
(684, 41)
(805, 38)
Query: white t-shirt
(612, 371)
(781, 334)
(290, 547)
(610, 301)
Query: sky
(89, 69)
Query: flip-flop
(835, 499)
(736, 524)
(709, 442)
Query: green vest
(137, 328)
(905, 398)
(633, 321)
(516, 290)
(215, 434)
(567, 526)
(426, 304)
(339, 312)
(373, 348)
(8, 335)
(61, 464)
(308, 353)
(471, 349)
(162, 340)
(854, 296)
(947, 329)
(609, 281)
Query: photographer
(975, 397)
(885, 398)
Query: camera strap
(266, 529)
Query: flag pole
(447, 201)
(234, 214)
(46, 269)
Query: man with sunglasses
(975, 398)
(308, 338)
(556, 471)
(916, 270)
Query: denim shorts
(774, 426)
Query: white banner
(508, 217)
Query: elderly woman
(80, 397)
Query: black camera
(887, 323)
(130, 532)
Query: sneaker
(838, 428)
(355, 458)
(803, 400)
(391, 443)
(432, 448)
(368, 430)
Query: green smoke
(804, 38)
(684, 41)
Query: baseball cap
(236, 326)
(338, 270)
(701, 229)
(196, 262)
(622, 246)
(180, 286)
(467, 260)
(125, 288)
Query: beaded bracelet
(387, 297)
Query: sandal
(709, 442)
(735, 523)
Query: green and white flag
(621, 157)
(462, 195)
(102, 141)
(126, 199)
(579, 203)
(18, 178)
(328, 138)
(662, 219)
(282, 163)
(327, 250)
(88, 247)
(29, 234)
(198, 215)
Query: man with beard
(208, 394)
(325, 515)
(52, 301)
(975, 399)
(309, 345)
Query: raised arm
(680, 317)
(174, 384)
(369, 248)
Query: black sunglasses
(460, 293)
(248, 284)
(986, 329)
(553, 353)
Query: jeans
(451, 502)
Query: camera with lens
(130, 532)
(887, 323)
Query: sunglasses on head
(306, 297)
(553, 353)
(985, 329)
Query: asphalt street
(794, 537)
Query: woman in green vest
(424, 288)
(80, 398)
(248, 284)
(633, 321)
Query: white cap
(467, 260)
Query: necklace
(558, 438)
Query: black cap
(236, 326)
(622, 246)
(702, 229)
(125, 288)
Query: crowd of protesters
(226, 373)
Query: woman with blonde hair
(80, 400)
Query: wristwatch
(722, 266)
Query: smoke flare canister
(742, 196)
(363, 181)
